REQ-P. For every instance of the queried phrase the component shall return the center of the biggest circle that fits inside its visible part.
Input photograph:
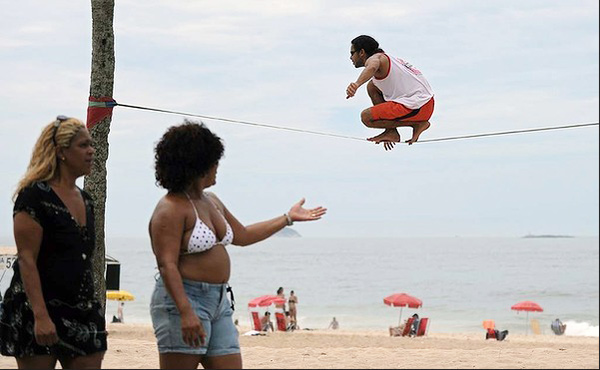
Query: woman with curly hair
(189, 229)
(50, 312)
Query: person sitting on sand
(558, 327)
(396, 331)
(266, 322)
(334, 324)
(496, 334)
(289, 324)
(414, 329)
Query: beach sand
(132, 346)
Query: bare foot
(390, 135)
(418, 129)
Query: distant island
(548, 236)
(288, 232)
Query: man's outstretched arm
(371, 67)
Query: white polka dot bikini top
(203, 238)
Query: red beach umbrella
(402, 300)
(527, 306)
(265, 301)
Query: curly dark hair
(366, 43)
(184, 153)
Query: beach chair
(422, 327)
(490, 329)
(280, 318)
(256, 321)
(407, 327)
(489, 324)
(491, 333)
(535, 327)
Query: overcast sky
(494, 66)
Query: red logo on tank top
(409, 66)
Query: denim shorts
(211, 304)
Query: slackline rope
(510, 132)
(351, 137)
(240, 122)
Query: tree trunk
(101, 85)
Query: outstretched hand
(351, 90)
(299, 213)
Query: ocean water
(461, 281)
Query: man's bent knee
(366, 117)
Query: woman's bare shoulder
(168, 206)
(212, 196)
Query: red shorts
(395, 111)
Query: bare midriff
(212, 266)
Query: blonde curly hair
(43, 165)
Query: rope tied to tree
(100, 108)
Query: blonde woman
(50, 312)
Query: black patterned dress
(65, 268)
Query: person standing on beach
(120, 312)
(292, 302)
(189, 229)
(50, 311)
(281, 294)
(400, 94)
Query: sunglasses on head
(59, 119)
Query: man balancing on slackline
(400, 94)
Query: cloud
(494, 66)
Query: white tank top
(404, 84)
